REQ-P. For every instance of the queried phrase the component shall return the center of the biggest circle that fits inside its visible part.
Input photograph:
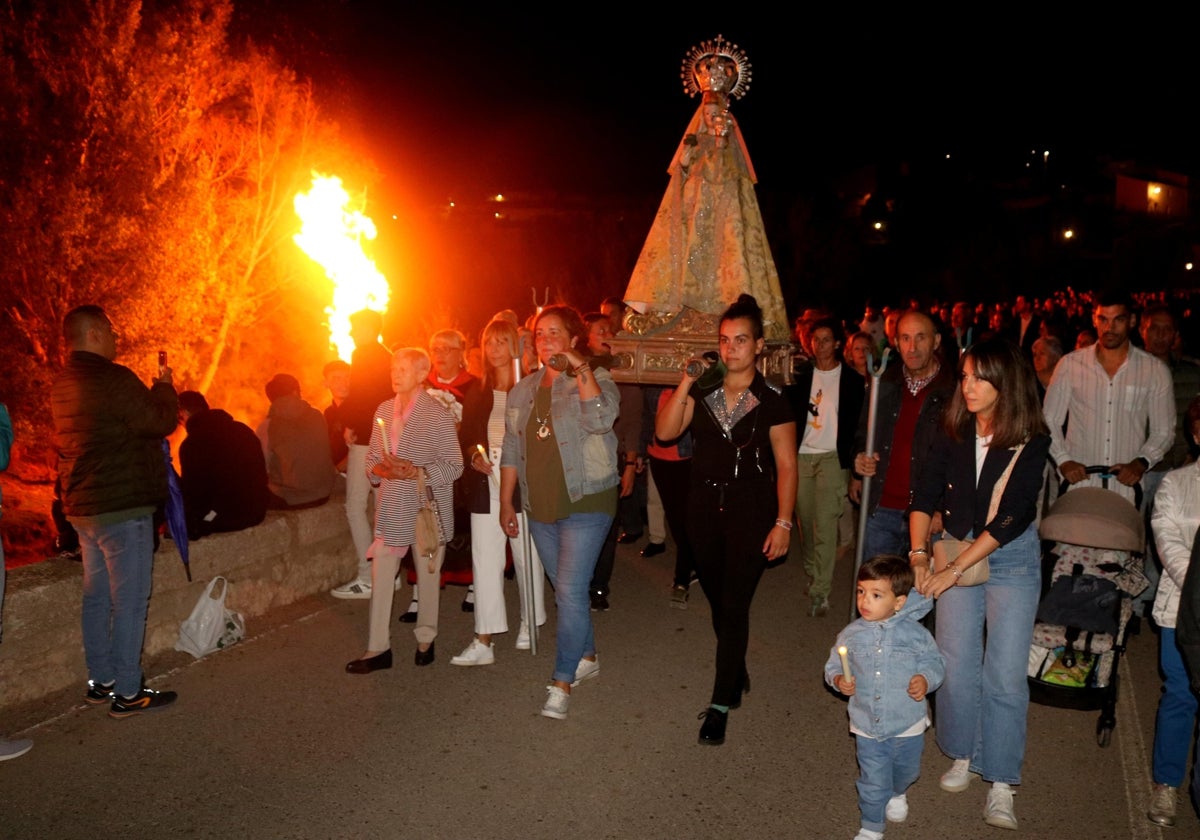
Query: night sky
(588, 98)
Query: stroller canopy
(1096, 517)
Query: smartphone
(162, 359)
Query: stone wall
(288, 557)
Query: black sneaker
(98, 693)
(146, 700)
(599, 602)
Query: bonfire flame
(332, 235)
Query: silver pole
(864, 498)
(527, 601)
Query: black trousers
(728, 524)
(673, 480)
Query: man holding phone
(108, 430)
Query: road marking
(1135, 767)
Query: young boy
(899, 663)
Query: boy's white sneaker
(897, 808)
(868, 834)
(956, 779)
(557, 701)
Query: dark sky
(588, 98)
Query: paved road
(272, 740)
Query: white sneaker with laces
(557, 701)
(956, 779)
(897, 808)
(1162, 805)
(586, 669)
(476, 653)
(868, 834)
(354, 589)
(523, 642)
(999, 810)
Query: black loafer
(370, 663)
(712, 731)
(424, 657)
(408, 617)
(654, 549)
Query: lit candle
(382, 433)
(483, 454)
(846, 675)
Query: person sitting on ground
(296, 448)
(223, 472)
(898, 662)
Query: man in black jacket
(108, 430)
(223, 472)
(912, 396)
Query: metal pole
(864, 498)
(528, 602)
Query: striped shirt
(1110, 420)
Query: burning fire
(332, 235)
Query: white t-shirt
(820, 421)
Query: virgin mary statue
(706, 244)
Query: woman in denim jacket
(560, 445)
(897, 663)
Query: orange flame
(332, 235)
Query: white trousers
(487, 563)
(358, 501)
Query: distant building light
(498, 197)
(1154, 190)
(498, 216)
(1187, 266)
(878, 226)
(1068, 234)
(451, 203)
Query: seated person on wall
(224, 474)
(295, 444)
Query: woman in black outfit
(743, 492)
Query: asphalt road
(271, 739)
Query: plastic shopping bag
(211, 626)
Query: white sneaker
(477, 653)
(1162, 805)
(354, 589)
(557, 701)
(586, 669)
(999, 810)
(956, 779)
(523, 642)
(868, 834)
(897, 808)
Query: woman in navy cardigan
(985, 631)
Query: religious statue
(707, 244)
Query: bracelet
(917, 551)
(582, 367)
(954, 569)
(784, 524)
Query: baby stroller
(1091, 574)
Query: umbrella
(176, 517)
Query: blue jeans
(1176, 719)
(887, 533)
(117, 562)
(982, 705)
(886, 768)
(569, 548)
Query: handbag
(211, 626)
(429, 525)
(947, 549)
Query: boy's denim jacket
(884, 656)
(587, 443)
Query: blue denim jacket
(583, 429)
(884, 656)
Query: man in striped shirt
(1117, 401)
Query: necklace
(544, 430)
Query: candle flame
(332, 235)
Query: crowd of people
(538, 460)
